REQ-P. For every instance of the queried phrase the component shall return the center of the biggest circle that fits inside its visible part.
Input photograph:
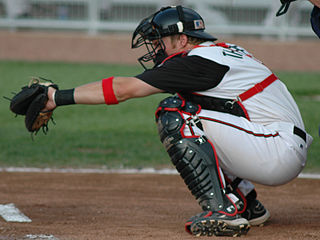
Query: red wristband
(108, 92)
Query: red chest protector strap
(257, 88)
(235, 106)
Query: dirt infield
(139, 206)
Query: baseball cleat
(256, 213)
(217, 224)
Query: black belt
(217, 104)
(300, 133)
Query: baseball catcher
(230, 121)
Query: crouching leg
(195, 159)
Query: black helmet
(166, 22)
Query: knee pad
(193, 156)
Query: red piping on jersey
(222, 44)
(184, 53)
(244, 110)
(173, 55)
(240, 128)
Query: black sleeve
(315, 20)
(185, 74)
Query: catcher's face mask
(167, 21)
(146, 34)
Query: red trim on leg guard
(234, 205)
(237, 191)
(217, 163)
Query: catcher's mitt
(30, 101)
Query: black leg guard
(193, 156)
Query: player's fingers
(51, 105)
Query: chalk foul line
(165, 171)
(41, 236)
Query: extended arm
(92, 93)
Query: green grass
(109, 136)
(84, 136)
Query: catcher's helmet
(166, 22)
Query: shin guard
(193, 156)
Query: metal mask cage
(167, 21)
(145, 30)
(155, 52)
(146, 34)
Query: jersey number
(231, 53)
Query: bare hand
(51, 105)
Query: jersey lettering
(232, 53)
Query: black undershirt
(185, 74)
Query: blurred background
(100, 30)
(227, 17)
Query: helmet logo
(198, 24)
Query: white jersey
(270, 146)
(273, 104)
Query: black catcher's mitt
(30, 101)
